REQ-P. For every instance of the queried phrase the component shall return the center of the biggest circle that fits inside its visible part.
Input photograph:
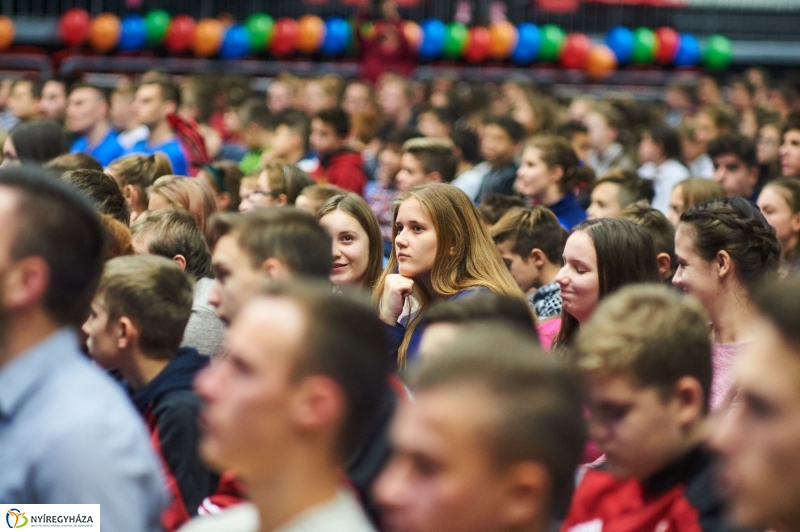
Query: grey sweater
(205, 331)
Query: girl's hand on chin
(395, 291)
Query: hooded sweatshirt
(170, 409)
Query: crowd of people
(407, 307)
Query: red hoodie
(344, 169)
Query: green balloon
(717, 53)
(552, 43)
(156, 24)
(644, 46)
(455, 40)
(259, 31)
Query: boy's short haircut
(102, 191)
(657, 226)
(568, 130)
(650, 334)
(736, 144)
(37, 86)
(436, 155)
(288, 234)
(102, 92)
(154, 294)
(494, 206)
(321, 193)
(468, 142)
(512, 128)
(172, 232)
(779, 302)
(792, 122)
(632, 188)
(724, 118)
(72, 161)
(538, 402)
(296, 121)
(336, 118)
(530, 228)
(398, 137)
(484, 308)
(259, 115)
(446, 115)
(169, 91)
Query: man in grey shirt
(173, 234)
(68, 434)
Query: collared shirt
(69, 435)
(664, 176)
(104, 151)
(341, 514)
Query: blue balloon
(689, 53)
(620, 40)
(133, 33)
(527, 47)
(235, 43)
(337, 35)
(433, 36)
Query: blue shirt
(568, 211)
(171, 148)
(69, 435)
(105, 151)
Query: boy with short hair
(258, 127)
(735, 165)
(530, 241)
(499, 144)
(790, 148)
(661, 231)
(136, 324)
(646, 357)
(617, 189)
(290, 140)
(338, 164)
(426, 160)
(436, 122)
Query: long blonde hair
(466, 257)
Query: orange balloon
(601, 62)
(207, 37)
(104, 32)
(502, 39)
(6, 32)
(413, 34)
(311, 33)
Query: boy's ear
(538, 257)
(664, 264)
(127, 333)
(434, 177)
(690, 400)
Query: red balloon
(73, 28)
(180, 34)
(284, 37)
(576, 51)
(668, 42)
(478, 44)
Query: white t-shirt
(664, 176)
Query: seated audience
(258, 128)
(224, 178)
(425, 161)
(660, 154)
(646, 358)
(735, 165)
(178, 192)
(295, 417)
(604, 124)
(102, 191)
(313, 197)
(790, 147)
(357, 243)
(548, 173)
(617, 189)
(69, 435)
(779, 202)
(691, 192)
(174, 234)
(25, 99)
(87, 116)
(34, 142)
(757, 441)
(136, 323)
(725, 248)
(338, 164)
(661, 231)
(500, 140)
(491, 440)
(135, 174)
(53, 103)
(279, 185)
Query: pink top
(548, 330)
(723, 360)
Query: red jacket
(344, 169)
(679, 498)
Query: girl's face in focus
(578, 278)
(415, 241)
(350, 248)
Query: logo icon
(20, 519)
